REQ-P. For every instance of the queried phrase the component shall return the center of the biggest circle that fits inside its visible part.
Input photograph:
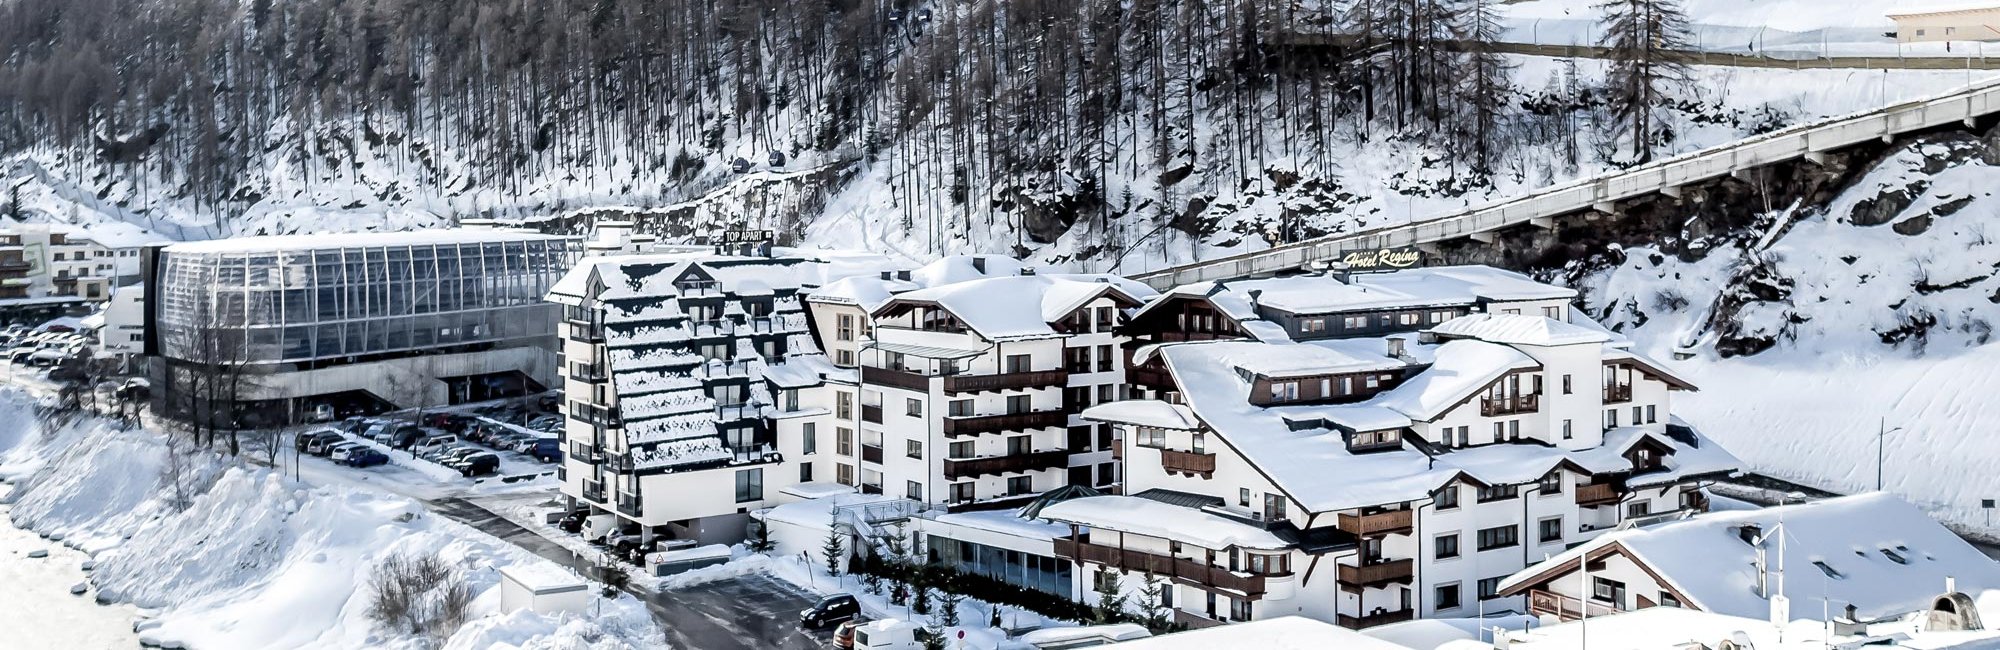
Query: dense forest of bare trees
(1088, 109)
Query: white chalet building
(693, 388)
(970, 390)
(1370, 449)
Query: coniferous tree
(1645, 38)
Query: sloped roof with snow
(1458, 370)
(1016, 307)
(440, 236)
(1145, 413)
(1874, 551)
(1518, 329)
(1166, 521)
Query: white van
(595, 527)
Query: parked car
(889, 634)
(20, 355)
(304, 441)
(526, 444)
(572, 523)
(323, 446)
(843, 634)
(548, 422)
(479, 464)
(339, 452)
(406, 436)
(432, 442)
(365, 457)
(356, 425)
(832, 609)
(47, 357)
(547, 450)
(448, 455)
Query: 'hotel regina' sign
(1384, 259)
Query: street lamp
(1881, 433)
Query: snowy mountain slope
(1810, 332)
(1779, 28)
(254, 560)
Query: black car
(479, 464)
(572, 523)
(304, 441)
(830, 610)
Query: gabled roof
(1518, 329)
(1011, 308)
(1460, 370)
(1874, 551)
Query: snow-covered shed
(542, 587)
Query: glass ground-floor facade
(1026, 570)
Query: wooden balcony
(1597, 494)
(1154, 378)
(975, 425)
(1381, 523)
(871, 413)
(957, 468)
(1372, 620)
(1616, 393)
(1005, 381)
(896, 378)
(1356, 578)
(1509, 405)
(1182, 569)
(871, 454)
(1563, 607)
(1187, 462)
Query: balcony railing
(871, 413)
(975, 425)
(628, 505)
(1616, 393)
(1377, 574)
(1508, 405)
(1597, 494)
(1187, 462)
(593, 491)
(957, 468)
(1155, 378)
(1372, 620)
(1564, 607)
(587, 372)
(593, 414)
(897, 378)
(750, 453)
(1160, 565)
(712, 328)
(1381, 523)
(698, 288)
(871, 454)
(1005, 381)
(871, 489)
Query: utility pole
(1881, 434)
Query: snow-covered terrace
(1140, 516)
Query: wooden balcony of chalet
(1005, 381)
(1372, 620)
(1356, 578)
(978, 424)
(1509, 405)
(1597, 494)
(1188, 463)
(957, 468)
(1182, 569)
(1381, 523)
(1564, 607)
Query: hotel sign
(1383, 259)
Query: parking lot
(499, 442)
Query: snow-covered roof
(816, 489)
(1436, 633)
(1518, 329)
(1145, 413)
(1874, 551)
(1956, 7)
(1066, 635)
(1672, 628)
(1459, 369)
(542, 576)
(1156, 519)
(1005, 522)
(1017, 307)
(1282, 633)
(1328, 293)
(280, 243)
(1285, 361)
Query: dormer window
(1284, 391)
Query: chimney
(979, 264)
(888, 275)
(1748, 533)
(643, 243)
(1255, 296)
(903, 275)
(1396, 350)
(1027, 270)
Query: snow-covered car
(47, 357)
(432, 442)
(20, 355)
(450, 455)
(341, 450)
(546, 423)
(316, 442)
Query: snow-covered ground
(241, 557)
(1777, 28)
(42, 586)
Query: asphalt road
(754, 612)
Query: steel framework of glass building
(308, 299)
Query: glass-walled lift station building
(358, 322)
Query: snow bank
(249, 559)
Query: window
(844, 474)
(809, 439)
(1269, 565)
(961, 492)
(1609, 591)
(1355, 322)
(844, 405)
(1284, 391)
(1239, 609)
(961, 449)
(1077, 360)
(1569, 430)
(1274, 507)
(1019, 403)
(1610, 418)
(1447, 596)
(1651, 416)
(1107, 393)
(1499, 537)
(1493, 493)
(1636, 412)
(914, 490)
(960, 408)
(1019, 445)
(1200, 444)
(1152, 437)
(1551, 530)
(1104, 360)
(1447, 497)
(1511, 312)
(1551, 484)
(1372, 382)
(1490, 587)
(844, 357)
(913, 448)
(750, 484)
(913, 407)
(1637, 509)
(1446, 546)
(1311, 325)
(1017, 363)
(1566, 384)
(1019, 485)
(1106, 319)
(805, 472)
(1552, 312)
(1107, 473)
(843, 441)
(1499, 431)
(1104, 581)
(1667, 599)
(846, 328)
(1243, 497)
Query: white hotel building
(1374, 448)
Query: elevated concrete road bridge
(1812, 142)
